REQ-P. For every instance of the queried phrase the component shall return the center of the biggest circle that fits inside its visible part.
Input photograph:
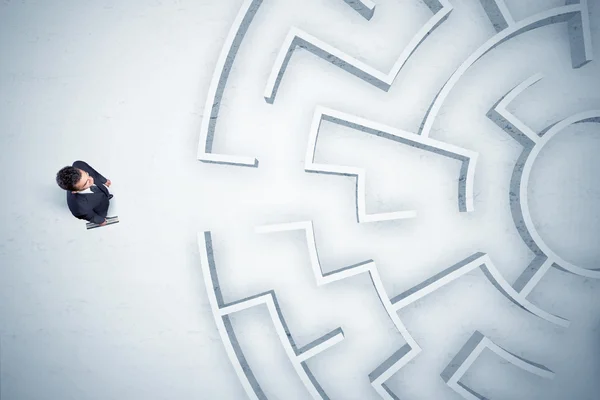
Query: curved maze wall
(394, 297)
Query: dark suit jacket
(92, 207)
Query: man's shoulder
(75, 202)
(78, 204)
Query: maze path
(217, 87)
(469, 353)
(400, 358)
(393, 364)
(467, 157)
(298, 357)
(533, 143)
(297, 38)
(477, 260)
(579, 36)
(221, 312)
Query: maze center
(563, 179)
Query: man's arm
(83, 165)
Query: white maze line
(297, 38)
(508, 121)
(520, 204)
(366, 8)
(221, 312)
(579, 36)
(522, 133)
(498, 14)
(532, 275)
(532, 143)
(400, 358)
(477, 260)
(217, 87)
(465, 358)
(467, 157)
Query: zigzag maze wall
(365, 200)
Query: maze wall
(278, 276)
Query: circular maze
(263, 278)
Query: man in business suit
(87, 192)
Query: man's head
(73, 179)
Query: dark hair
(68, 177)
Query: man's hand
(104, 223)
(108, 182)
